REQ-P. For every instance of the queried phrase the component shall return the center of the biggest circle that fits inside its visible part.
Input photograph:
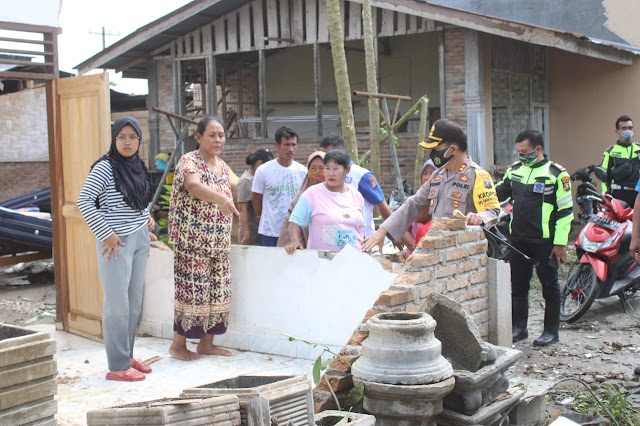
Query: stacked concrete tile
(264, 400)
(27, 377)
(217, 411)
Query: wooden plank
(317, 88)
(232, 32)
(24, 257)
(221, 42)
(285, 22)
(212, 83)
(413, 24)
(297, 22)
(272, 24)
(23, 373)
(387, 23)
(262, 92)
(355, 21)
(245, 28)
(207, 45)
(258, 25)
(428, 25)
(402, 24)
(323, 22)
(312, 21)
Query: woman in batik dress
(200, 217)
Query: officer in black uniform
(540, 191)
(622, 163)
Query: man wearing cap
(458, 184)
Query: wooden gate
(79, 133)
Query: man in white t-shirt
(275, 184)
(364, 182)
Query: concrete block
(499, 280)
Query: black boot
(519, 317)
(551, 325)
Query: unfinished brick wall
(454, 71)
(450, 262)
(22, 178)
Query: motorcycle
(605, 267)
(587, 195)
(500, 233)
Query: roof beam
(152, 29)
(508, 29)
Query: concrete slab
(82, 365)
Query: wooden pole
(422, 133)
(317, 88)
(371, 61)
(262, 90)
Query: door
(79, 109)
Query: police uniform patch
(372, 181)
(433, 201)
(538, 188)
(487, 184)
(456, 204)
(464, 178)
(432, 193)
(456, 195)
(437, 179)
(463, 168)
(566, 183)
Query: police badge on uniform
(566, 183)
(487, 184)
(538, 188)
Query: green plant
(355, 395)
(163, 223)
(613, 400)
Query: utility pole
(104, 35)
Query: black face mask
(438, 157)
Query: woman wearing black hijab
(114, 201)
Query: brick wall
(23, 126)
(21, 178)
(455, 75)
(452, 263)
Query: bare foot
(182, 353)
(209, 349)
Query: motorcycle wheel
(578, 294)
(497, 250)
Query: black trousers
(522, 270)
(625, 195)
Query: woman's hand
(110, 245)
(227, 207)
(292, 247)
(151, 225)
(246, 240)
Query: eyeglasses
(131, 139)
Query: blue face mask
(528, 159)
(626, 135)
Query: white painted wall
(34, 12)
(304, 295)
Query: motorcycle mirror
(600, 173)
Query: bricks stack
(451, 260)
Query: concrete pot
(489, 415)
(27, 377)
(265, 399)
(405, 405)
(331, 417)
(476, 389)
(401, 350)
(217, 411)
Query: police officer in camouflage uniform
(458, 184)
(540, 191)
(622, 163)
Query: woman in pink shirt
(332, 211)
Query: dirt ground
(602, 347)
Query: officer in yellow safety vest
(622, 163)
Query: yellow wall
(585, 98)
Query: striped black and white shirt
(114, 215)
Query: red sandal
(130, 375)
(141, 366)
